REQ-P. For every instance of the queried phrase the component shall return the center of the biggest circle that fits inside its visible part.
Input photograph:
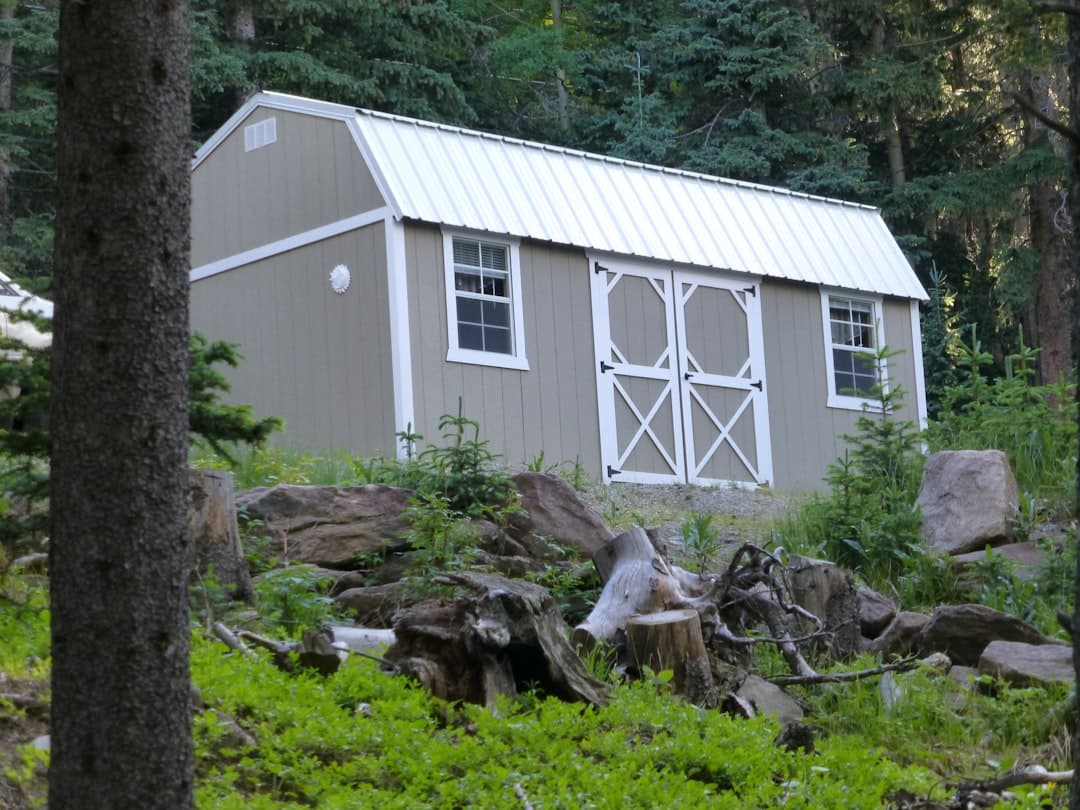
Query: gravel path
(739, 515)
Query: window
(484, 302)
(851, 328)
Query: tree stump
(672, 640)
(214, 537)
(638, 580)
(505, 635)
(827, 591)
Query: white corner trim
(917, 359)
(518, 360)
(293, 242)
(841, 401)
(400, 339)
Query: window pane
(470, 336)
(466, 253)
(864, 366)
(494, 257)
(467, 282)
(497, 339)
(845, 384)
(841, 334)
(864, 385)
(864, 337)
(468, 310)
(495, 284)
(843, 361)
(496, 314)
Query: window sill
(491, 359)
(853, 404)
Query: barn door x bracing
(680, 376)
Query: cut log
(672, 640)
(215, 539)
(476, 648)
(828, 592)
(638, 581)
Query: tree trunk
(121, 703)
(560, 74)
(880, 36)
(7, 76)
(1049, 230)
(214, 537)
(672, 640)
(1072, 22)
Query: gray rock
(768, 698)
(552, 509)
(968, 500)
(963, 631)
(898, 638)
(329, 526)
(1027, 559)
(875, 612)
(963, 675)
(375, 606)
(1024, 664)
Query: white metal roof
(13, 297)
(468, 179)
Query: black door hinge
(612, 472)
(750, 290)
(599, 268)
(605, 367)
(688, 375)
(757, 385)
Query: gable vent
(261, 134)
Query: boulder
(963, 631)
(552, 510)
(768, 698)
(968, 500)
(375, 606)
(1020, 663)
(897, 639)
(1027, 559)
(329, 526)
(875, 612)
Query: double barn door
(680, 376)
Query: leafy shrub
(293, 598)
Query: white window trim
(843, 401)
(455, 354)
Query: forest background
(933, 110)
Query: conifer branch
(1066, 132)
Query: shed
(657, 326)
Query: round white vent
(340, 278)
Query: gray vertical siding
(805, 433)
(311, 176)
(319, 359)
(550, 408)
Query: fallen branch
(842, 677)
(229, 639)
(1034, 775)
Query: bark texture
(121, 705)
(1072, 22)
